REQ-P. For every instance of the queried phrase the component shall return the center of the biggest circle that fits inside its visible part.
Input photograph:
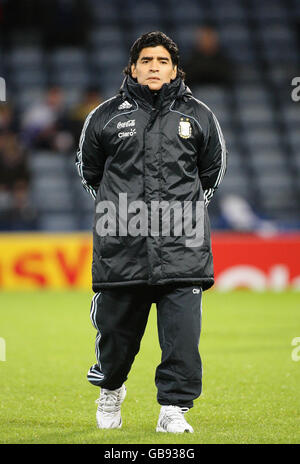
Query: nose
(154, 66)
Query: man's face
(154, 67)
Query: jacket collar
(131, 89)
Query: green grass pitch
(251, 384)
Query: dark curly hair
(153, 39)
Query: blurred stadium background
(61, 58)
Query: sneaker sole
(160, 429)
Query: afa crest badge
(185, 128)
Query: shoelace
(108, 402)
(174, 414)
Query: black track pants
(120, 316)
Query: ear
(174, 72)
(133, 71)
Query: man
(206, 59)
(151, 157)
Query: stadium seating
(258, 117)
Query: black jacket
(165, 154)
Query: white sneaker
(171, 419)
(108, 413)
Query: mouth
(153, 78)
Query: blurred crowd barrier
(34, 261)
(45, 261)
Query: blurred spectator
(45, 124)
(207, 63)
(238, 215)
(16, 212)
(13, 162)
(78, 114)
(8, 120)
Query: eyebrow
(159, 58)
